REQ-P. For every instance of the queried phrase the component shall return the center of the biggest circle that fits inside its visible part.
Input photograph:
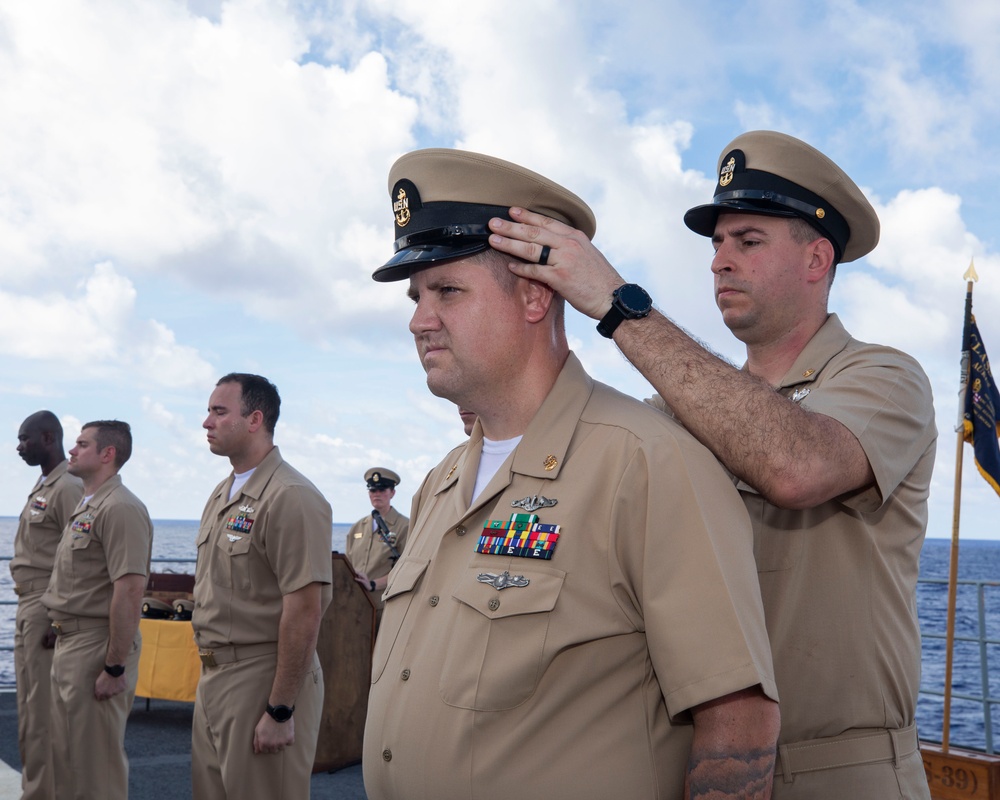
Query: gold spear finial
(970, 273)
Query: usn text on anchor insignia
(503, 580)
(533, 503)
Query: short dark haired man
(831, 442)
(95, 601)
(262, 583)
(576, 613)
(39, 528)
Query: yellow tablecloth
(168, 665)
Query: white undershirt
(239, 479)
(494, 454)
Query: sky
(193, 188)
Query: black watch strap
(628, 301)
(372, 584)
(115, 670)
(280, 713)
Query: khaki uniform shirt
(368, 553)
(273, 538)
(575, 679)
(41, 524)
(111, 535)
(839, 581)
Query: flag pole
(970, 277)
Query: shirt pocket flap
(405, 576)
(532, 591)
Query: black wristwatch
(115, 670)
(628, 301)
(280, 713)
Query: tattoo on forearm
(727, 776)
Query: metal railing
(5, 685)
(982, 642)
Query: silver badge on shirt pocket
(503, 580)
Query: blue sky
(188, 189)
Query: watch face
(280, 713)
(634, 298)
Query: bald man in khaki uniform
(831, 442)
(50, 503)
(545, 630)
(262, 584)
(370, 554)
(94, 600)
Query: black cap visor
(702, 219)
(419, 256)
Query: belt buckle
(207, 658)
(17, 589)
(57, 627)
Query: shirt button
(405, 675)
(434, 600)
(387, 755)
(494, 604)
(460, 530)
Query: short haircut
(46, 422)
(113, 433)
(803, 233)
(497, 263)
(256, 394)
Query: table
(169, 666)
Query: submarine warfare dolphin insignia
(533, 502)
(503, 580)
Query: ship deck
(158, 742)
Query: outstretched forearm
(793, 457)
(734, 747)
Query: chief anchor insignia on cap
(726, 174)
(401, 208)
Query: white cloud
(97, 330)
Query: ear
(255, 420)
(821, 259)
(108, 454)
(537, 300)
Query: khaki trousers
(230, 701)
(33, 668)
(88, 735)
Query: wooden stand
(346, 638)
(961, 774)
(170, 586)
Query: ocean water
(978, 560)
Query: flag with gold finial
(982, 400)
